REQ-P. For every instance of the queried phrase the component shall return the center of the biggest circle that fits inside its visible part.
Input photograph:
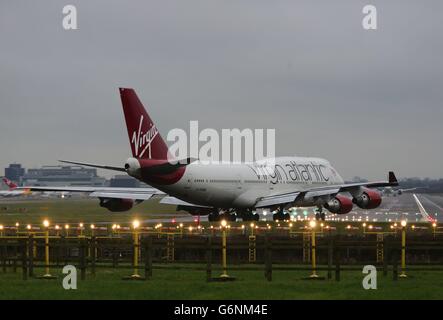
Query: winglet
(392, 179)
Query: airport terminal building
(61, 176)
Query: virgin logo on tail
(142, 140)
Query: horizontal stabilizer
(94, 165)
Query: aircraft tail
(145, 140)
(9, 183)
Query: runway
(401, 207)
(392, 209)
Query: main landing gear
(281, 215)
(216, 216)
(319, 214)
(230, 215)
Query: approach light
(181, 225)
(290, 225)
(242, 226)
(312, 223)
(348, 226)
(403, 223)
(57, 227)
(114, 226)
(81, 225)
(252, 225)
(135, 224)
(223, 223)
(92, 226)
(1, 227)
(370, 227)
(66, 226)
(434, 224)
(28, 227)
(45, 224)
(364, 225)
(17, 224)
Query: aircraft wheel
(255, 217)
(317, 216)
(322, 216)
(287, 217)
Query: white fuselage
(230, 185)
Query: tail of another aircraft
(10, 184)
(145, 140)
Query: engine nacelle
(339, 205)
(116, 205)
(369, 199)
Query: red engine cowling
(116, 205)
(369, 199)
(339, 205)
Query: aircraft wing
(178, 202)
(323, 191)
(277, 199)
(103, 192)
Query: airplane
(389, 191)
(225, 190)
(12, 192)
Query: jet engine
(116, 205)
(368, 199)
(339, 205)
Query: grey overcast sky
(369, 101)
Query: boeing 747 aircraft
(227, 190)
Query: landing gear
(251, 217)
(248, 215)
(319, 214)
(281, 215)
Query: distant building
(63, 176)
(124, 181)
(15, 172)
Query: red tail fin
(145, 140)
(9, 183)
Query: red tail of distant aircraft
(10, 184)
